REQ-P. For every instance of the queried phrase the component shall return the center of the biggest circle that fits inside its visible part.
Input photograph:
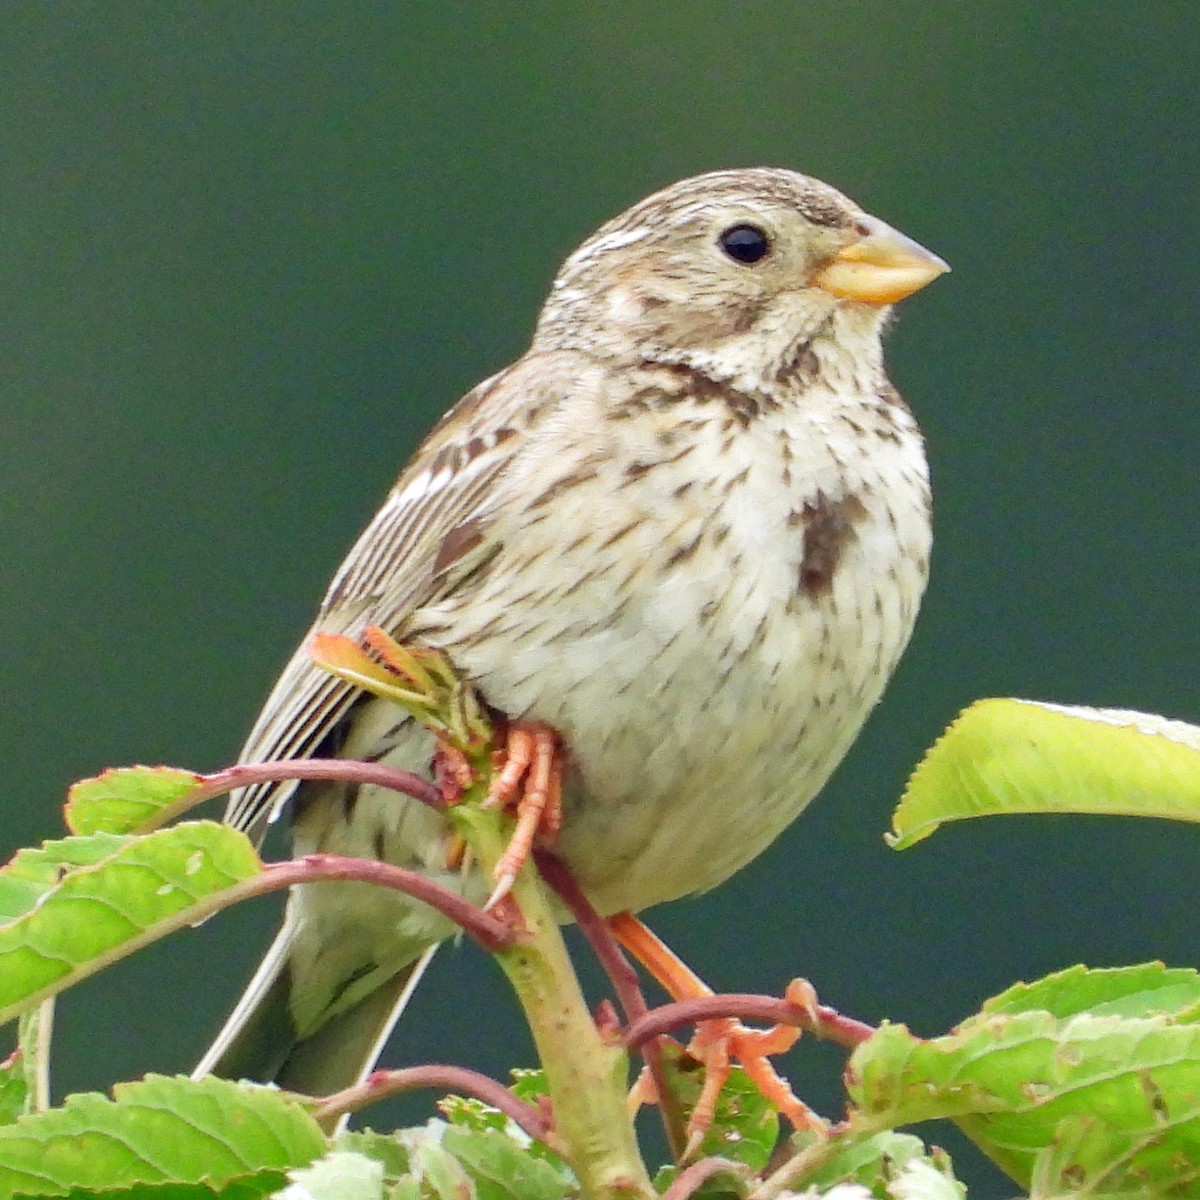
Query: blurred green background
(249, 252)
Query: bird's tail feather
(259, 1039)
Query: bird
(687, 531)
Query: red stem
(591, 925)
(824, 1022)
(347, 769)
(459, 1080)
(691, 1179)
(491, 933)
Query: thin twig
(347, 769)
(379, 1085)
(691, 1179)
(828, 1024)
(625, 983)
(45, 1031)
(583, 1068)
(612, 958)
(490, 932)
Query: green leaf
(1114, 1098)
(1022, 756)
(96, 914)
(896, 1078)
(129, 799)
(384, 1148)
(925, 1179)
(1145, 990)
(439, 1173)
(871, 1162)
(339, 1175)
(529, 1084)
(30, 874)
(15, 1092)
(159, 1130)
(466, 1112)
(406, 1188)
(745, 1127)
(502, 1168)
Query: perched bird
(688, 531)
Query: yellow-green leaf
(31, 873)
(159, 1130)
(95, 914)
(1023, 756)
(1117, 1099)
(1145, 990)
(129, 799)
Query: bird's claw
(530, 783)
(718, 1045)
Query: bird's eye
(746, 244)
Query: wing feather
(453, 478)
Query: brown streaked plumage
(688, 530)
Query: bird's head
(746, 275)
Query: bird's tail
(259, 1040)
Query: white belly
(703, 701)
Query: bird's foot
(452, 771)
(528, 781)
(717, 1045)
(721, 1042)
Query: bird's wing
(438, 515)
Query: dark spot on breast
(684, 552)
(586, 471)
(800, 365)
(891, 397)
(623, 532)
(748, 315)
(829, 526)
(670, 383)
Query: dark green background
(249, 251)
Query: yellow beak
(881, 267)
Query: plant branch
(625, 983)
(823, 1022)
(348, 769)
(691, 1179)
(489, 931)
(492, 933)
(586, 1074)
(381, 1084)
(606, 948)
